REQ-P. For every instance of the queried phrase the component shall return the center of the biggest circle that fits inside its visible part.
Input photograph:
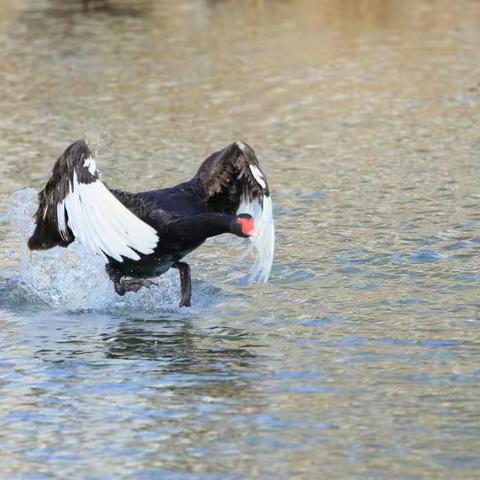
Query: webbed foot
(122, 286)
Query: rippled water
(360, 359)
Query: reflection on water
(360, 357)
(59, 8)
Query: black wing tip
(246, 150)
(44, 238)
(78, 149)
(244, 147)
(34, 243)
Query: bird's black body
(182, 217)
(164, 210)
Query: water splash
(70, 279)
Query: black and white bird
(142, 235)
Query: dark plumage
(142, 235)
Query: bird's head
(243, 225)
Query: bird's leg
(185, 283)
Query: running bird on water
(142, 235)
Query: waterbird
(143, 235)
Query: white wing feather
(101, 223)
(263, 238)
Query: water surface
(360, 359)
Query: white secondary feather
(101, 223)
(61, 220)
(258, 175)
(91, 165)
(263, 237)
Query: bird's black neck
(197, 228)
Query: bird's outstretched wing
(75, 204)
(233, 182)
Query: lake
(360, 358)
